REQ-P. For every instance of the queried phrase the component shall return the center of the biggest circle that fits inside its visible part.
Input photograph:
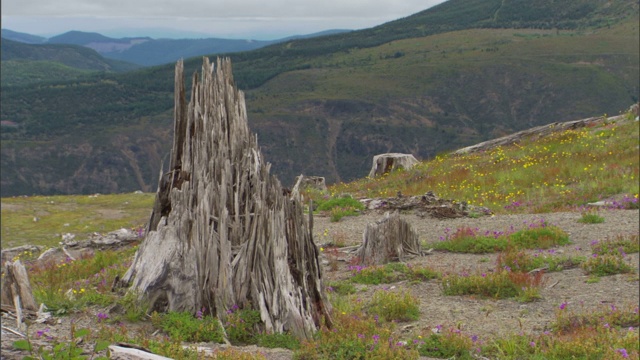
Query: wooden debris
(128, 353)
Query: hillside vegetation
(563, 171)
(457, 74)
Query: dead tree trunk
(222, 233)
(388, 239)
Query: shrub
(567, 320)
(499, 285)
(539, 236)
(338, 207)
(606, 265)
(391, 272)
(620, 245)
(241, 325)
(391, 305)
(374, 275)
(182, 326)
(535, 235)
(450, 345)
(467, 240)
(278, 340)
(521, 261)
(341, 287)
(354, 337)
(591, 217)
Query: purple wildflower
(532, 344)
(563, 305)
(623, 352)
(102, 317)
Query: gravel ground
(475, 316)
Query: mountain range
(146, 51)
(453, 75)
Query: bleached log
(125, 353)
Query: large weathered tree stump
(388, 239)
(222, 233)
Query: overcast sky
(256, 19)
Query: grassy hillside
(562, 171)
(325, 106)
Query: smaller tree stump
(16, 290)
(388, 239)
(384, 163)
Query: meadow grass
(41, 220)
(500, 284)
(522, 261)
(591, 216)
(559, 172)
(390, 273)
(536, 235)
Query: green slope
(25, 64)
(325, 106)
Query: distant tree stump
(304, 182)
(388, 239)
(222, 233)
(384, 163)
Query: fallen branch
(13, 331)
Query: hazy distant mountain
(147, 51)
(24, 64)
(22, 37)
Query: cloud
(222, 18)
(215, 8)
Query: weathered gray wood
(16, 290)
(9, 254)
(384, 163)
(126, 353)
(536, 132)
(388, 239)
(222, 233)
